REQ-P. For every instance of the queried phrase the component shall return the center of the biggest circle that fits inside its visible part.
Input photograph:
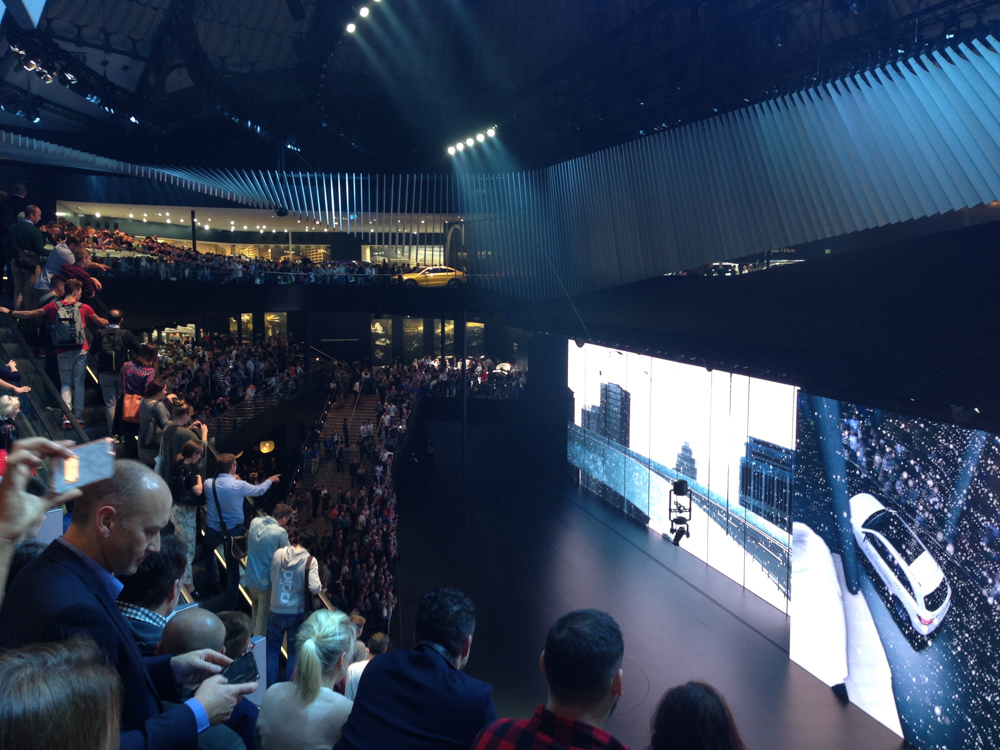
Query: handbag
(236, 547)
(130, 407)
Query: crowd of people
(150, 257)
(75, 659)
(96, 654)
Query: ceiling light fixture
(364, 11)
(351, 28)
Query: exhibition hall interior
(323, 322)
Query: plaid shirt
(72, 271)
(135, 612)
(544, 731)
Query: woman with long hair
(693, 716)
(306, 713)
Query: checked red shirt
(544, 731)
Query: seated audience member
(377, 644)
(582, 663)
(193, 629)
(150, 596)
(58, 695)
(71, 590)
(239, 630)
(411, 700)
(693, 717)
(306, 713)
(24, 553)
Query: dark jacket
(58, 596)
(416, 700)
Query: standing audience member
(224, 497)
(150, 595)
(69, 319)
(137, 373)
(582, 663)
(267, 535)
(693, 716)
(377, 644)
(179, 430)
(307, 714)
(57, 290)
(188, 492)
(10, 407)
(58, 695)
(294, 581)
(153, 417)
(26, 248)
(421, 699)
(71, 590)
(112, 347)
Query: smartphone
(91, 462)
(243, 669)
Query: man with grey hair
(71, 590)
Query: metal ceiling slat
(975, 119)
(875, 107)
(942, 139)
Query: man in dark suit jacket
(71, 590)
(421, 699)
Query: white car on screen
(919, 590)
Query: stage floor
(527, 546)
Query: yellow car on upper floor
(434, 276)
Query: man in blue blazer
(421, 699)
(71, 590)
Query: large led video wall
(896, 603)
(640, 423)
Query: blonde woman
(306, 713)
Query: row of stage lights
(470, 142)
(363, 11)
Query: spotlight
(351, 28)
(69, 78)
(491, 132)
(49, 77)
(460, 146)
(451, 150)
(30, 65)
(364, 11)
(469, 141)
(480, 137)
(36, 119)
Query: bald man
(71, 590)
(193, 629)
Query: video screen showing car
(895, 557)
(640, 423)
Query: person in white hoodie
(293, 571)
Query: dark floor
(527, 546)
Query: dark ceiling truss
(633, 82)
(110, 99)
